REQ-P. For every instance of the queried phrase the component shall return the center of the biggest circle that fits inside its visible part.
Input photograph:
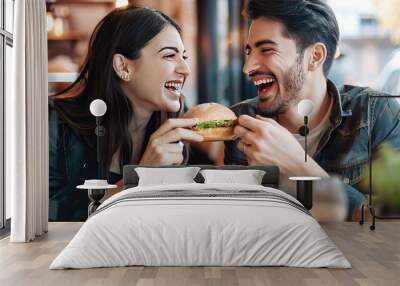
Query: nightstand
(96, 190)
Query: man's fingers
(261, 117)
(247, 150)
(245, 135)
(242, 147)
(252, 155)
(266, 119)
(173, 123)
(179, 134)
(250, 123)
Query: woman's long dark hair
(124, 31)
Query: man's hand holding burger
(265, 142)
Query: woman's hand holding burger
(203, 122)
(162, 148)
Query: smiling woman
(136, 64)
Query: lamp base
(304, 191)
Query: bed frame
(270, 179)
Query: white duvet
(200, 231)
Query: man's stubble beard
(293, 81)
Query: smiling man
(290, 49)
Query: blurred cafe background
(214, 33)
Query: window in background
(221, 37)
(9, 15)
(9, 64)
(6, 44)
(222, 81)
(2, 44)
(366, 42)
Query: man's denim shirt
(343, 149)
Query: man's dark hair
(306, 21)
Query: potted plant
(385, 180)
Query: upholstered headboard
(270, 179)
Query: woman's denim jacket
(343, 149)
(72, 160)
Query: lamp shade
(305, 107)
(98, 107)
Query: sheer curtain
(27, 124)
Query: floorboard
(374, 255)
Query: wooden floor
(374, 255)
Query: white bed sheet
(200, 231)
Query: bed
(201, 224)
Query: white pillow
(248, 177)
(163, 176)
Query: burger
(216, 121)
